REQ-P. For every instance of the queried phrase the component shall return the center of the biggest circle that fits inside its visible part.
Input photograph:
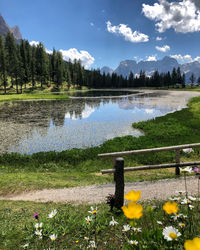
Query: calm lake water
(79, 122)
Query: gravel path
(161, 189)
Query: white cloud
(158, 38)
(127, 33)
(197, 58)
(185, 59)
(165, 48)
(49, 51)
(182, 16)
(91, 24)
(85, 114)
(151, 58)
(34, 43)
(85, 58)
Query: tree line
(22, 64)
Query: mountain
(106, 70)
(163, 66)
(4, 29)
(189, 68)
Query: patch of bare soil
(162, 189)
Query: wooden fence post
(119, 183)
(177, 170)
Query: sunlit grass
(18, 97)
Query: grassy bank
(20, 97)
(82, 167)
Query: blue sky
(105, 32)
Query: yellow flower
(170, 207)
(133, 211)
(192, 244)
(133, 195)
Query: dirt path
(162, 189)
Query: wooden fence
(118, 166)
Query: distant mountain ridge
(5, 28)
(163, 66)
(106, 70)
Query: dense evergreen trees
(23, 64)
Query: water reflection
(34, 126)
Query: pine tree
(179, 77)
(53, 66)
(183, 80)
(131, 80)
(41, 64)
(25, 59)
(192, 80)
(33, 66)
(174, 77)
(11, 50)
(3, 71)
(59, 69)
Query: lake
(85, 119)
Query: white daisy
(92, 244)
(38, 225)
(133, 242)
(159, 222)
(137, 229)
(176, 216)
(113, 222)
(53, 237)
(191, 207)
(185, 201)
(170, 233)
(52, 214)
(126, 228)
(39, 233)
(88, 220)
(93, 211)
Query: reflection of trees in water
(41, 113)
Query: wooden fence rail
(118, 168)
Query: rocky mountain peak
(106, 70)
(5, 28)
(16, 32)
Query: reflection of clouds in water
(82, 135)
(149, 111)
(85, 113)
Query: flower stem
(185, 186)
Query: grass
(18, 97)
(45, 93)
(79, 167)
